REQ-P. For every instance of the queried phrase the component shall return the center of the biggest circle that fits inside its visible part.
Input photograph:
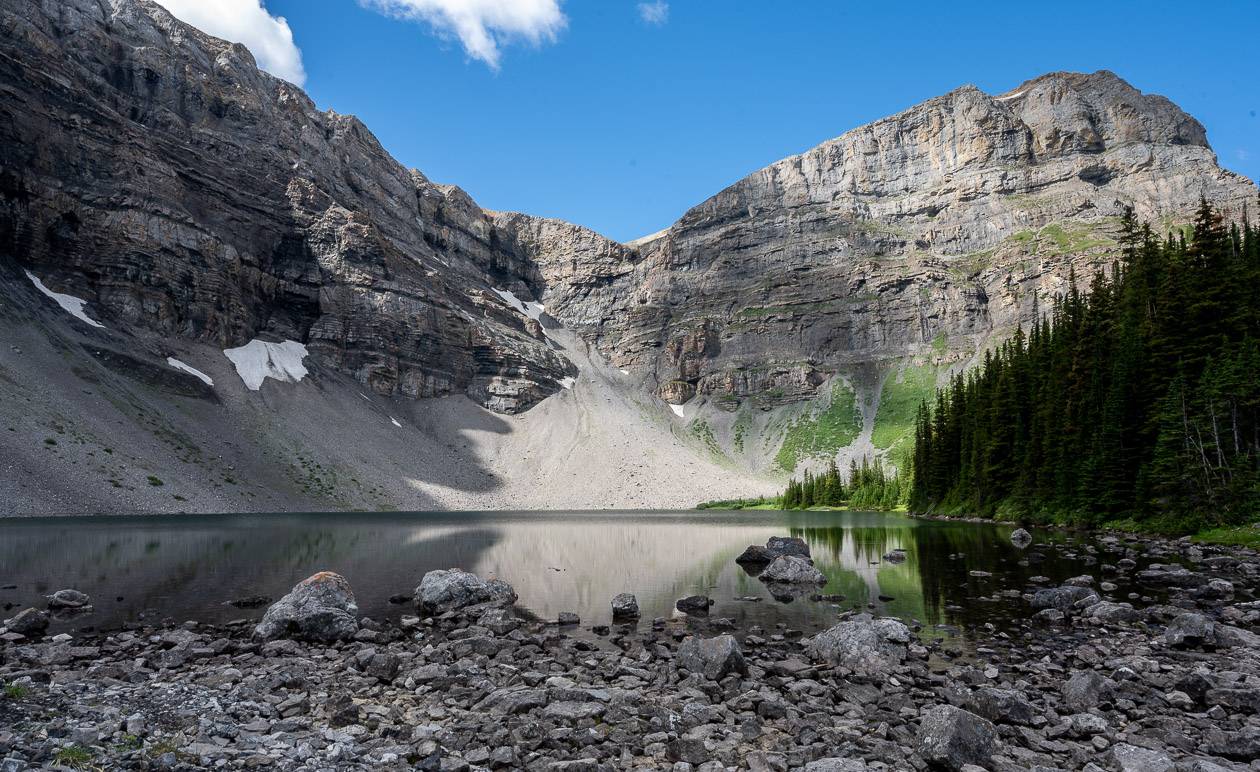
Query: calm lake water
(187, 567)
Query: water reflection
(188, 567)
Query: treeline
(868, 487)
(1136, 399)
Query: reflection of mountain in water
(187, 567)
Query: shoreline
(1085, 677)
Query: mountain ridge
(197, 204)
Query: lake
(152, 568)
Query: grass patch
(155, 481)
(74, 756)
(822, 433)
(733, 504)
(899, 403)
(743, 422)
(1242, 536)
(14, 692)
(940, 344)
(703, 432)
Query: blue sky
(620, 117)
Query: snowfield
(259, 360)
(69, 303)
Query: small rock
(951, 738)
(625, 606)
(715, 657)
(694, 604)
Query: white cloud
(483, 26)
(247, 22)
(654, 13)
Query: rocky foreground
(470, 682)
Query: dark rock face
(625, 606)
(715, 658)
(192, 194)
(320, 609)
(30, 622)
(694, 604)
(951, 738)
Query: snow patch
(394, 421)
(1016, 95)
(625, 372)
(259, 360)
(69, 303)
(567, 382)
(178, 365)
(532, 310)
(678, 411)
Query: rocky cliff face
(940, 224)
(157, 173)
(196, 203)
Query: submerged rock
(694, 604)
(791, 569)
(716, 657)
(68, 600)
(895, 556)
(862, 644)
(1021, 538)
(320, 608)
(454, 590)
(951, 738)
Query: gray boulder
(755, 555)
(1087, 689)
(837, 765)
(320, 608)
(625, 606)
(1001, 706)
(862, 644)
(715, 658)
(895, 556)
(455, 590)
(791, 569)
(951, 738)
(1066, 599)
(787, 545)
(1189, 630)
(1113, 613)
(1021, 538)
(1131, 758)
(30, 622)
(68, 600)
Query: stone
(1113, 613)
(1242, 745)
(68, 600)
(1001, 706)
(625, 606)
(1131, 758)
(787, 545)
(755, 555)
(950, 738)
(455, 590)
(895, 556)
(320, 609)
(862, 644)
(791, 569)
(30, 622)
(1087, 689)
(715, 658)
(837, 765)
(1021, 538)
(1063, 599)
(568, 619)
(1190, 630)
(696, 605)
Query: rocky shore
(467, 681)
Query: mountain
(290, 319)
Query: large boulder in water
(776, 546)
(454, 590)
(1021, 538)
(952, 738)
(625, 606)
(1066, 599)
(862, 644)
(715, 658)
(68, 600)
(790, 569)
(320, 609)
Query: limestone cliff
(196, 204)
